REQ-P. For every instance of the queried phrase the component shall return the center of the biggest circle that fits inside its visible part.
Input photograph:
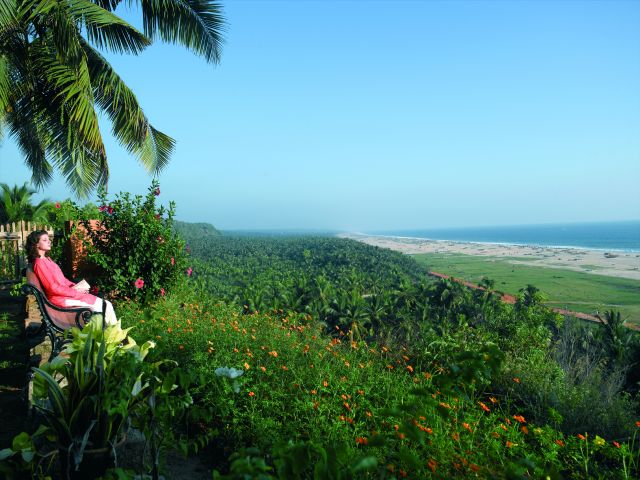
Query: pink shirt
(56, 287)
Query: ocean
(614, 236)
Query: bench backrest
(60, 318)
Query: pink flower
(157, 216)
(160, 239)
(102, 208)
(94, 290)
(110, 210)
(57, 204)
(139, 283)
(189, 271)
(156, 192)
(173, 261)
(162, 292)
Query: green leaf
(21, 441)
(365, 463)
(6, 453)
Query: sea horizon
(620, 236)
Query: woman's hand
(82, 286)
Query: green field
(581, 292)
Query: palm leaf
(107, 30)
(130, 126)
(7, 11)
(195, 24)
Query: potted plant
(87, 394)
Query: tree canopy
(54, 81)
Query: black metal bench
(55, 320)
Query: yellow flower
(599, 441)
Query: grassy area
(582, 292)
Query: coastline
(612, 263)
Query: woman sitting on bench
(58, 290)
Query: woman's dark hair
(32, 244)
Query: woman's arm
(53, 281)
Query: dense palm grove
(575, 377)
(318, 357)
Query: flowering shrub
(305, 397)
(134, 246)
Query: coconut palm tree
(15, 205)
(54, 81)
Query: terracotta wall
(76, 256)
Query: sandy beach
(614, 264)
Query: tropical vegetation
(55, 82)
(318, 357)
(16, 204)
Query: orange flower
(427, 375)
(474, 467)
(273, 353)
(432, 465)
(181, 347)
(495, 435)
(390, 367)
(169, 330)
(559, 443)
(410, 368)
(493, 400)
(484, 407)
(314, 392)
(284, 367)
(581, 437)
(362, 441)
(616, 444)
(325, 383)
(263, 369)
(251, 394)
(516, 379)
(455, 436)
(246, 366)
(519, 418)
(369, 414)
(346, 405)
(524, 429)
(503, 427)
(509, 444)
(360, 392)
(467, 426)
(347, 364)
(638, 424)
(235, 350)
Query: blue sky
(367, 115)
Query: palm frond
(7, 11)
(196, 24)
(73, 94)
(107, 30)
(130, 126)
(22, 121)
